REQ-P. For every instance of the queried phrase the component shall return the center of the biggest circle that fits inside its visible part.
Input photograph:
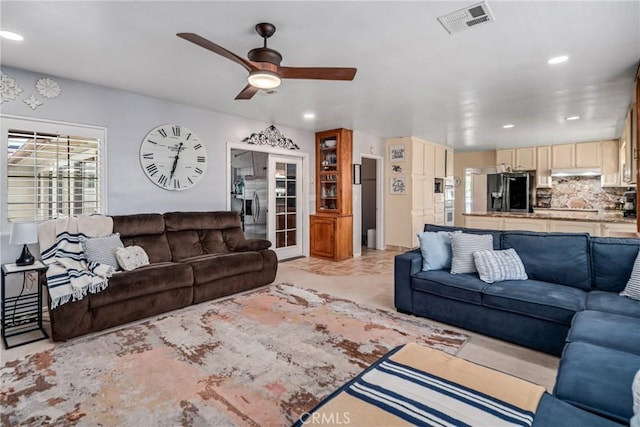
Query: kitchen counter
(563, 215)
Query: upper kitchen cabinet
(627, 153)
(506, 157)
(449, 160)
(582, 155)
(525, 159)
(439, 167)
(610, 164)
(543, 170)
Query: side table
(22, 314)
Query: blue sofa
(570, 306)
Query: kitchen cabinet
(506, 157)
(563, 156)
(440, 164)
(610, 229)
(525, 159)
(526, 224)
(610, 164)
(588, 154)
(448, 171)
(543, 170)
(593, 228)
(484, 222)
(331, 229)
(627, 153)
(331, 236)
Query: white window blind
(51, 175)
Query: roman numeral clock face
(173, 157)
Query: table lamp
(23, 233)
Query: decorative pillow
(632, 290)
(635, 390)
(132, 257)
(463, 245)
(436, 249)
(102, 249)
(496, 266)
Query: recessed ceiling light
(558, 59)
(573, 118)
(509, 126)
(11, 36)
(309, 116)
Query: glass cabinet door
(328, 175)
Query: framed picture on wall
(397, 153)
(398, 185)
(357, 174)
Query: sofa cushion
(561, 258)
(463, 245)
(597, 379)
(461, 287)
(190, 243)
(177, 221)
(207, 268)
(612, 262)
(551, 410)
(542, 300)
(146, 280)
(606, 330)
(435, 248)
(495, 233)
(613, 303)
(146, 231)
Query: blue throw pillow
(497, 266)
(436, 250)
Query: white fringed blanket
(69, 274)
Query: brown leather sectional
(194, 257)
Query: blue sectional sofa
(570, 306)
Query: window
(52, 173)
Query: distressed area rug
(261, 358)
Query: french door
(285, 205)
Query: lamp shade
(23, 233)
(264, 79)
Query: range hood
(576, 172)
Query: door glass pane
(286, 204)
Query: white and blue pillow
(497, 266)
(102, 249)
(463, 245)
(436, 249)
(632, 290)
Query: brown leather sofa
(194, 257)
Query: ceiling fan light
(264, 79)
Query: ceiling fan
(265, 71)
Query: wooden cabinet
(627, 161)
(506, 157)
(439, 167)
(525, 159)
(484, 222)
(563, 156)
(612, 229)
(331, 236)
(332, 226)
(333, 171)
(593, 228)
(526, 224)
(588, 154)
(610, 164)
(448, 171)
(543, 170)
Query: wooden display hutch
(332, 225)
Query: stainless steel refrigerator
(510, 192)
(255, 208)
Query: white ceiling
(413, 77)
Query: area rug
(260, 358)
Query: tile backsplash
(580, 191)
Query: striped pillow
(102, 249)
(463, 245)
(496, 266)
(632, 290)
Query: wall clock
(173, 157)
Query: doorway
(267, 189)
(368, 229)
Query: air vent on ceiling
(467, 17)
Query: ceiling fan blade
(247, 92)
(317, 73)
(209, 45)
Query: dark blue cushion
(461, 287)
(553, 412)
(597, 379)
(612, 260)
(495, 233)
(611, 302)
(606, 330)
(561, 258)
(534, 298)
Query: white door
(285, 206)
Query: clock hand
(175, 161)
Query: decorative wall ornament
(396, 168)
(397, 153)
(33, 102)
(47, 87)
(9, 88)
(398, 185)
(271, 136)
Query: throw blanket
(69, 274)
(421, 386)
